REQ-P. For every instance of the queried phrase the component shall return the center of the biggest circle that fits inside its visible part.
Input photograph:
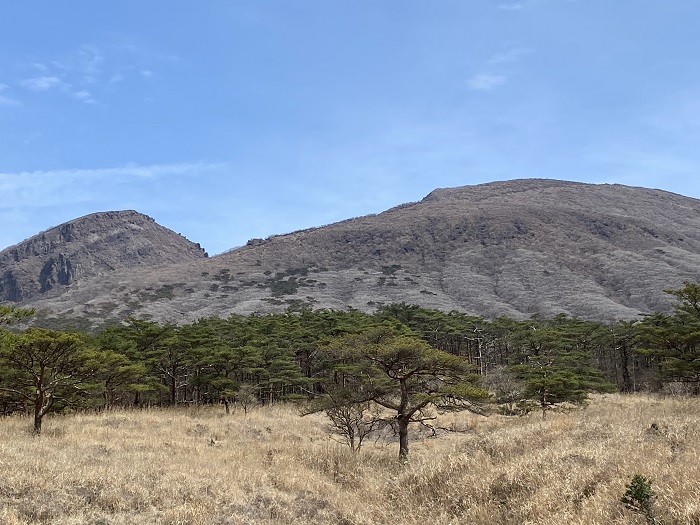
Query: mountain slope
(512, 248)
(92, 246)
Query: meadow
(199, 466)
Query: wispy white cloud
(486, 82)
(37, 189)
(528, 4)
(35, 200)
(41, 83)
(512, 55)
(83, 71)
(19, 179)
(90, 60)
(5, 100)
(59, 65)
(84, 96)
(489, 80)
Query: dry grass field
(274, 467)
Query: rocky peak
(88, 246)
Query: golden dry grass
(274, 467)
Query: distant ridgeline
(513, 249)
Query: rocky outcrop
(95, 245)
(56, 271)
(10, 289)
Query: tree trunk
(37, 423)
(39, 402)
(543, 403)
(173, 385)
(403, 419)
(626, 378)
(403, 439)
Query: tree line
(401, 358)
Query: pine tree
(402, 374)
(46, 370)
(675, 339)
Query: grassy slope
(159, 467)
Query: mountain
(88, 248)
(514, 248)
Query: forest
(401, 358)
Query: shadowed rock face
(56, 271)
(514, 248)
(87, 248)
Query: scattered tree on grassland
(354, 422)
(247, 397)
(9, 314)
(508, 392)
(45, 369)
(403, 375)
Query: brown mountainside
(88, 248)
(512, 248)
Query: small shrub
(640, 497)
(390, 270)
(289, 287)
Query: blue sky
(232, 119)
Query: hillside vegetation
(403, 358)
(198, 466)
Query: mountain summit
(514, 248)
(87, 248)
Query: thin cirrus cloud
(528, 4)
(34, 189)
(81, 73)
(5, 100)
(486, 82)
(90, 60)
(43, 83)
(129, 170)
(84, 96)
(512, 55)
(490, 81)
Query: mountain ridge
(513, 248)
